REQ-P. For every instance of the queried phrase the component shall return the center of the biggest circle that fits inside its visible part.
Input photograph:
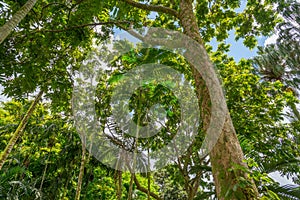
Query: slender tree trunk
(8, 27)
(130, 190)
(119, 185)
(149, 185)
(19, 130)
(81, 172)
(65, 189)
(295, 111)
(227, 152)
(44, 173)
(191, 184)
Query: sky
(237, 48)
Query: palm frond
(286, 192)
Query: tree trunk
(130, 190)
(295, 111)
(119, 185)
(81, 172)
(19, 130)
(227, 153)
(8, 27)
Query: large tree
(68, 34)
(50, 148)
(227, 153)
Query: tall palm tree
(286, 192)
(281, 61)
(8, 27)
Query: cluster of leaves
(256, 108)
(45, 162)
(280, 61)
(53, 40)
(217, 17)
(47, 47)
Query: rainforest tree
(54, 38)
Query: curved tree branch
(85, 25)
(155, 8)
(142, 189)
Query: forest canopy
(129, 99)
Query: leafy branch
(85, 25)
(154, 8)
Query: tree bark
(227, 153)
(8, 27)
(81, 172)
(130, 190)
(19, 130)
(142, 189)
(226, 156)
(119, 185)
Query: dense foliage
(46, 50)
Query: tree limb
(142, 189)
(81, 171)
(19, 130)
(155, 8)
(85, 25)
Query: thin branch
(130, 186)
(50, 4)
(142, 189)
(81, 171)
(154, 8)
(54, 3)
(44, 173)
(77, 3)
(117, 141)
(85, 25)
